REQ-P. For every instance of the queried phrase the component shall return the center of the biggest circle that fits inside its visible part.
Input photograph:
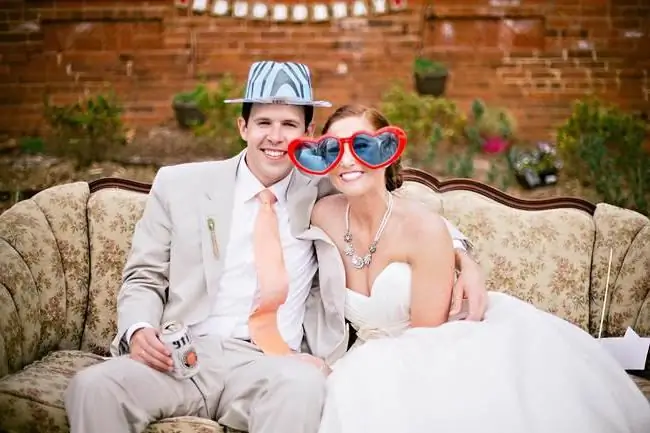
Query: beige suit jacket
(172, 271)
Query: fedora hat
(272, 82)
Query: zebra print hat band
(272, 82)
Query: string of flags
(300, 12)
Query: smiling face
(268, 132)
(351, 177)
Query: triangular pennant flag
(240, 9)
(260, 11)
(200, 6)
(397, 5)
(320, 12)
(339, 10)
(379, 6)
(280, 12)
(359, 8)
(220, 7)
(299, 12)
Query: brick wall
(532, 56)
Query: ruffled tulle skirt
(520, 370)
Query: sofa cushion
(112, 216)
(32, 399)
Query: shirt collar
(248, 186)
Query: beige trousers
(241, 387)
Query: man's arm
(462, 245)
(145, 282)
(470, 282)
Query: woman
(412, 370)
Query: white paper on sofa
(631, 351)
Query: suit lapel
(216, 205)
(301, 196)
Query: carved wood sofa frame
(419, 176)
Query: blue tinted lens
(375, 150)
(318, 156)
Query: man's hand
(319, 363)
(471, 285)
(146, 347)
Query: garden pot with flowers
(493, 127)
(537, 167)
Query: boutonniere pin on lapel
(213, 237)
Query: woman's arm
(432, 272)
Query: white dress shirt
(238, 283)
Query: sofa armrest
(627, 234)
(43, 275)
(637, 275)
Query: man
(223, 247)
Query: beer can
(176, 337)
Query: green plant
(499, 174)
(600, 170)
(461, 165)
(196, 95)
(488, 122)
(186, 106)
(88, 130)
(429, 122)
(219, 117)
(425, 66)
(31, 145)
(603, 146)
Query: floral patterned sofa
(62, 252)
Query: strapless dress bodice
(386, 312)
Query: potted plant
(493, 126)
(188, 107)
(430, 76)
(537, 167)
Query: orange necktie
(272, 279)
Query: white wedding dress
(521, 370)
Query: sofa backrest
(554, 253)
(539, 251)
(540, 256)
(62, 254)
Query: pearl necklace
(357, 261)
